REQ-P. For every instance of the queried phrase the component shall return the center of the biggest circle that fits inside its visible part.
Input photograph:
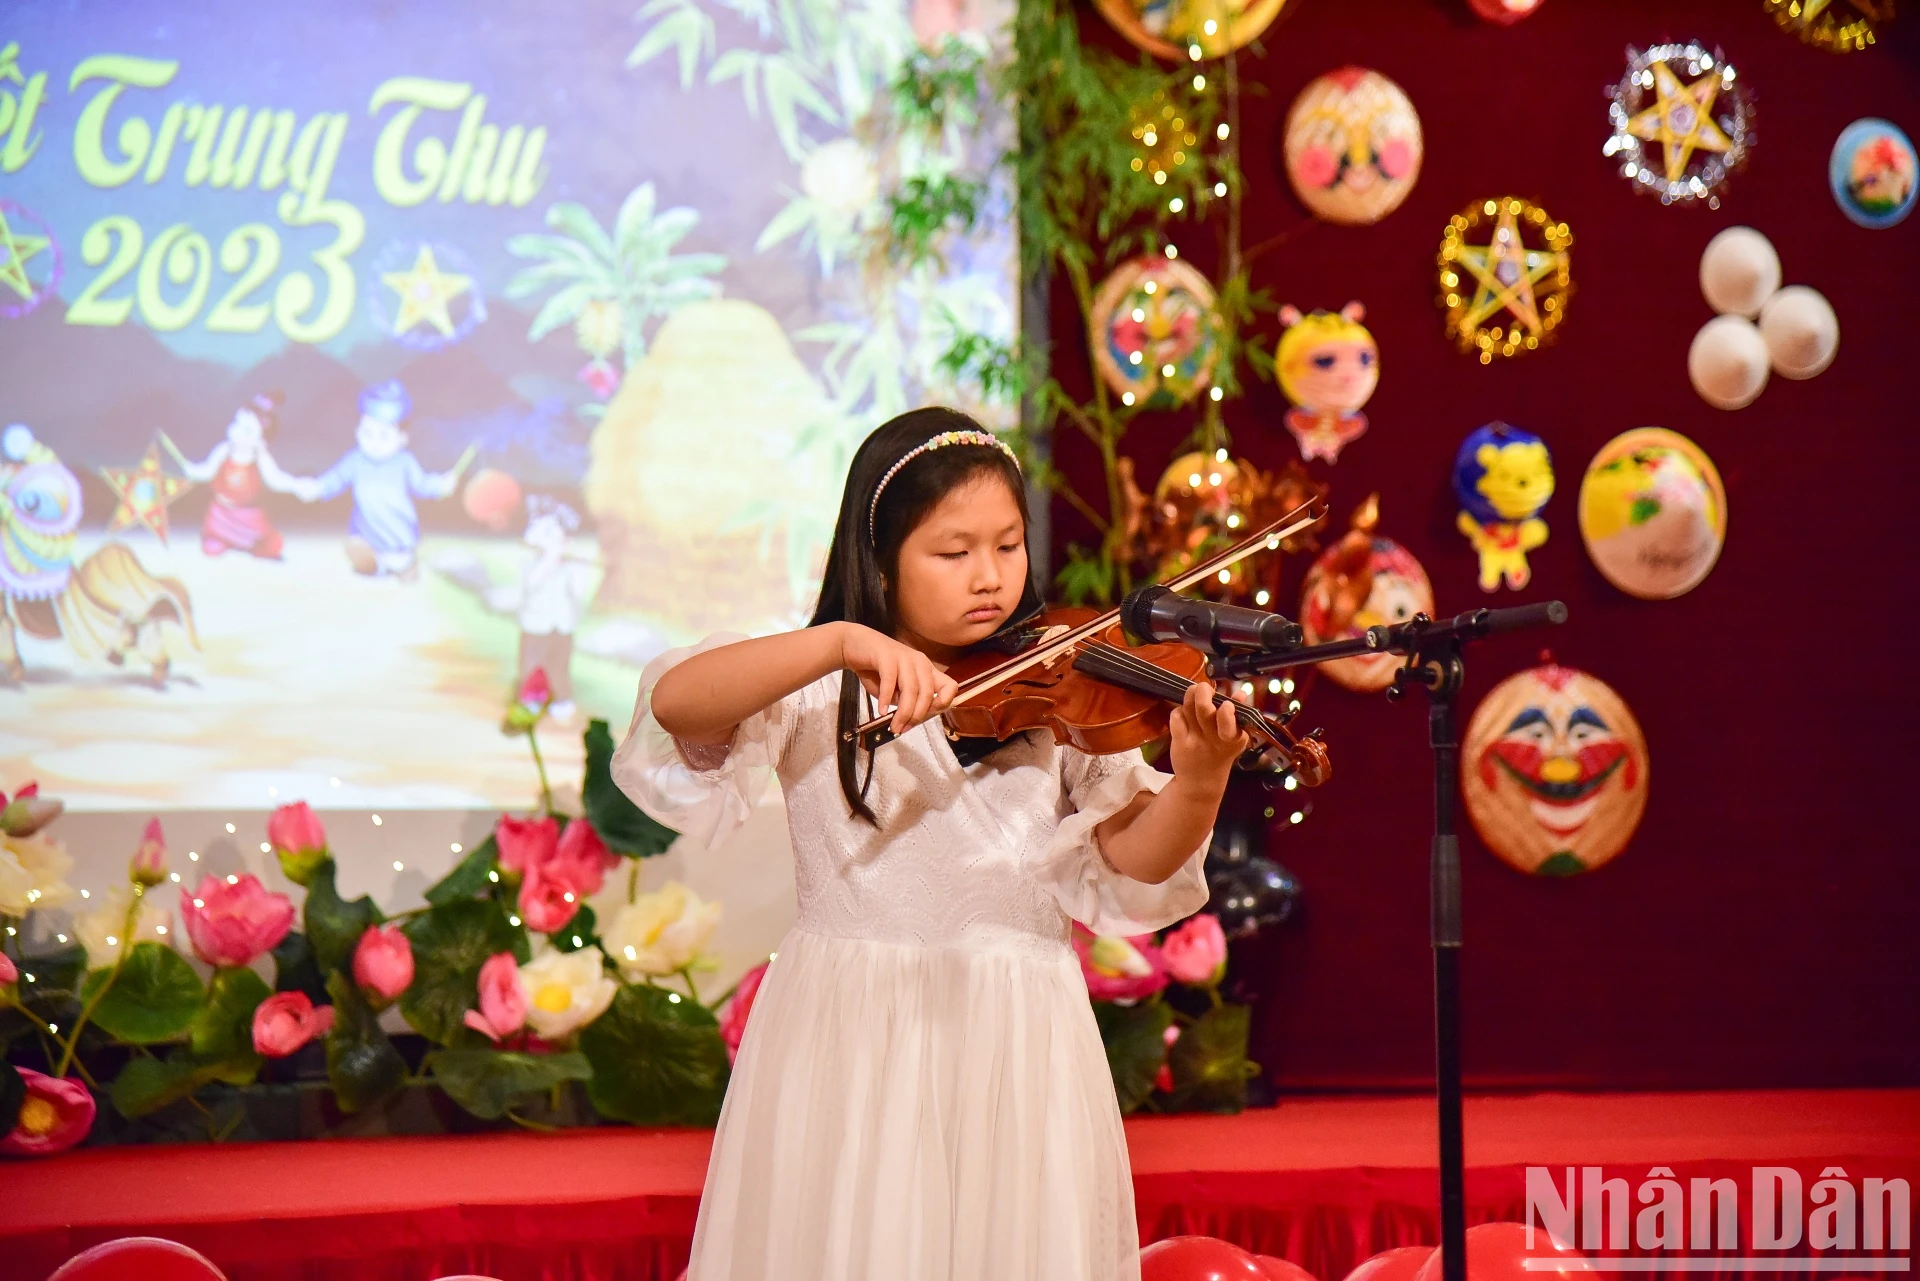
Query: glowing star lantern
(143, 493)
(1328, 366)
(1681, 122)
(1504, 12)
(1508, 292)
(1554, 768)
(1872, 173)
(1801, 332)
(1188, 30)
(1503, 477)
(1155, 337)
(1362, 581)
(1653, 513)
(1838, 26)
(1353, 146)
(424, 292)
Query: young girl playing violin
(922, 1094)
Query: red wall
(1761, 928)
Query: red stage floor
(1324, 1182)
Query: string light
(578, 941)
(232, 879)
(1220, 454)
(1126, 398)
(1291, 783)
(193, 856)
(1173, 251)
(160, 929)
(1193, 481)
(568, 896)
(1139, 315)
(112, 941)
(1134, 357)
(61, 937)
(54, 1028)
(1211, 26)
(265, 848)
(1160, 177)
(1149, 287)
(1193, 52)
(673, 998)
(230, 829)
(1295, 817)
(376, 820)
(1199, 82)
(199, 902)
(1176, 205)
(1214, 479)
(1226, 575)
(1222, 131)
(456, 847)
(83, 894)
(1217, 394)
(1273, 686)
(493, 876)
(513, 920)
(1261, 597)
(398, 866)
(1233, 520)
(1219, 188)
(1166, 371)
(631, 954)
(1151, 138)
(174, 876)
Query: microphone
(1159, 614)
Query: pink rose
(383, 962)
(298, 840)
(525, 842)
(286, 1021)
(148, 866)
(9, 972)
(733, 1023)
(1197, 951)
(230, 924)
(56, 1115)
(503, 1002)
(1119, 969)
(547, 901)
(582, 858)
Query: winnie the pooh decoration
(1503, 477)
(1554, 771)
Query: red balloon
(1498, 1252)
(1504, 12)
(1199, 1259)
(492, 498)
(1279, 1269)
(1401, 1263)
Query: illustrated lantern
(1554, 769)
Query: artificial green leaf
(146, 1085)
(1135, 1039)
(333, 924)
(577, 933)
(294, 969)
(624, 826)
(656, 1060)
(1209, 1061)
(470, 878)
(56, 975)
(489, 1082)
(361, 1062)
(224, 1028)
(13, 1092)
(450, 944)
(154, 998)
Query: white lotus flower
(102, 930)
(661, 933)
(840, 177)
(566, 991)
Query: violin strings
(1165, 684)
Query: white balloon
(1801, 332)
(1728, 362)
(1739, 271)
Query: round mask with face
(1353, 146)
(1653, 513)
(1554, 769)
(1364, 580)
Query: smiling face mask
(1554, 771)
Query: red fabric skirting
(1322, 1182)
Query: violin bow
(1046, 652)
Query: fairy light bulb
(1193, 52)
(1219, 188)
(1261, 597)
(1220, 454)
(1199, 82)
(1176, 205)
(1222, 132)
(1173, 251)
(1126, 398)
(1217, 394)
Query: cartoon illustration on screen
(238, 469)
(385, 477)
(106, 606)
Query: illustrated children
(552, 594)
(385, 478)
(239, 467)
(921, 1090)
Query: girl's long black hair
(862, 562)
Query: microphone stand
(1433, 661)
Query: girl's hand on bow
(897, 675)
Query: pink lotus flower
(232, 923)
(1163, 1079)
(535, 691)
(1119, 969)
(27, 812)
(298, 840)
(286, 1021)
(503, 1002)
(56, 1115)
(733, 1023)
(9, 972)
(383, 962)
(558, 869)
(525, 842)
(1197, 951)
(148, 866)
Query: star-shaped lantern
(425, 291)
(1504, 296)
(1838, 26)
(20, 245)
(143, 492)
(1690, 101)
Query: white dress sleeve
(702, 791)
(1075, 871)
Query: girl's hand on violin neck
(897, 675)
(1207, 739)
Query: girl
(922, 1094)
(238, 469)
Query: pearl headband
(944, 438)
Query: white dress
(921, 1094)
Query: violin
(1073, 673)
